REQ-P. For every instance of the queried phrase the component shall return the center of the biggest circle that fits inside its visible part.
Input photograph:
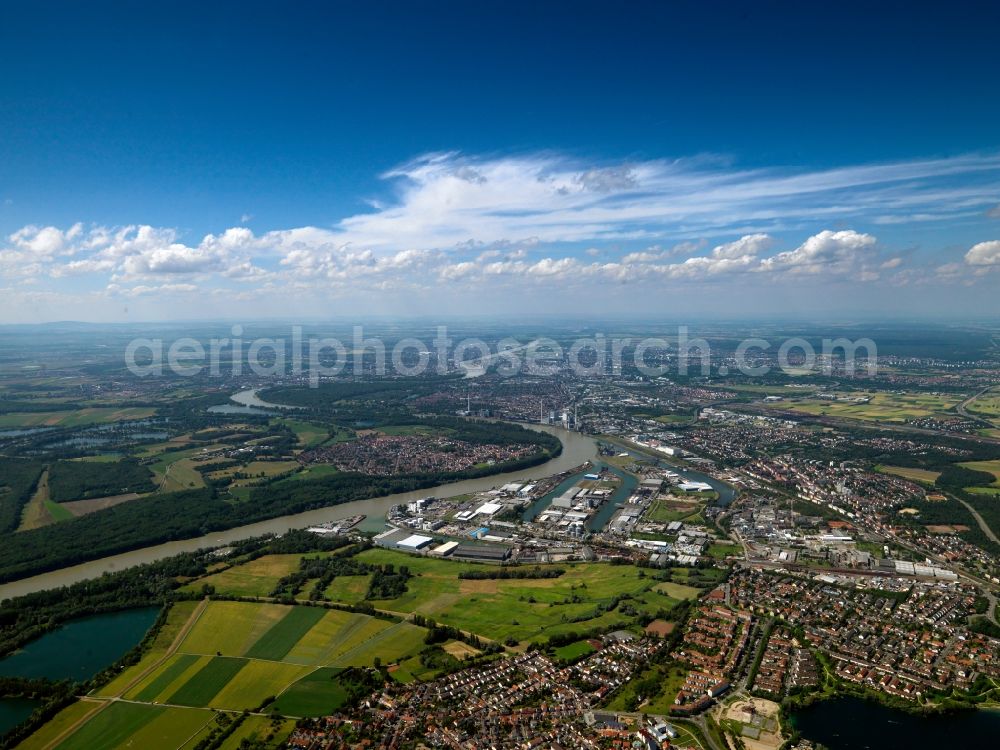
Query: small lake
(81, 648)
(237, 410)
(850, 723)
(15, 710)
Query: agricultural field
(256, 470)
(41, 509)
(127, 725)
(309, 435)
(175, 471)
(313, 471)
(924, 476)
(986, 405)
(77, 418)
(232, 656)
(255, 578)
(880, 407)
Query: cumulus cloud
(545, 219)
(45, 242)
(984, 254)
(828, 252)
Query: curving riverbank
(576, 449)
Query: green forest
(80, 480)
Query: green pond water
(81, 648)
(13, 711)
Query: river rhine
(577, 449)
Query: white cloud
(825, 253)
(45, 241)
(984, 254)
(548, 221)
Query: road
(961, 409)
(979, 519)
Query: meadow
(924, 476)
(986, 405)
(75, 418)
(523, 609)
(881, 407)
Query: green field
(284, 634)
(721, 551)
(309, 435)
(122, 725)
(924, 476)
(172, 672)
(413, 429)
(574, 651)
(987, 405)
(524, 609)
(314, 471)
(175, 471)
(316, 694)
(992, 491)
(881, 407)
(258, 729)
(255, 578)
(665, 511)
(209, 680)
(495, 609)
(77, 418)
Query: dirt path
(101, 703)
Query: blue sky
(201, 160)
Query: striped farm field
(135, 725)
(358, 633)
(230, 656)
(232, 627)
(284, 634)
(206, 683)
(174, 669)
(331, 636)
(396, 641)
(255, 682)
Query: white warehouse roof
(416, 541)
